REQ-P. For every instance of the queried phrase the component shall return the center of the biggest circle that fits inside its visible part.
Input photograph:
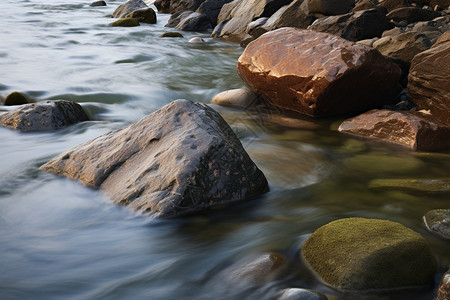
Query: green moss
(16, 98)
(441, 185)
(381, 163)
(367, 254)
(125, 22)
(171, 34)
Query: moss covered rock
(171, 34)
(143, 15)
(437, 221)
(126, 22)
(15, 98)
(437, 185)
(369, 254)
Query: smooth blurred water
(60, 240)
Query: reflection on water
(60, 240)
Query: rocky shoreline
(383, 64)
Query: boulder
(403, 46)
(317, 74)
(354, 26)
(98, 3)
(430, 185)
(437, 221)
(163, 6)
(143, 15)
(412, 14)
(128, 7)
(236, 98)
(428, 80)
(443, 292)
(125, 22)
(176, 18)
(211, 9)
(296, 15)
(364, 5)
(43, 116)
(181, 159)
(194, 22)
(15, 98)
(301, 294)
(390, 5)
(369, 254)
(411, 129)
(235, 17)
(181, 5)
(330, 7)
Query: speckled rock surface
(369, 254)
(313, 73)
(44, 116)
(411, 129)
(443, 292)
(178, 160)
(437, 221)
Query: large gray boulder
(235, 17)
(354, 26)
(128, 7)
(43, 116)
(178, 160)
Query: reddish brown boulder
(317, 74)
(429, 80)
(415, 130)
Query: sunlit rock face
(317, 74)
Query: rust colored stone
(443, 292)
(415, 130)
(429, 80)
(317, 74)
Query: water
(60, 240)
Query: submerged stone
(437, 221)
(15, 98)
(236, 98)
(181, 159)
(171, 34)
(126, 22)
(369, 254)
(441, 185)
(45, 115)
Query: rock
(288, 122)
(128, 7)
(390, 5)
(376, 163)
(364, 5)
(355, 26)
(296, 15)
(211, 9)
(43, 116)
(311, 72)
(235, 17)
(437, 221)
(403, 46)
(236, 98)
(393, 32)
(443, 292)
(171, 34)
(125, 22)
(143, 15)
(411, 129)
(412, 14)
(256, 271)
(182, 5)
(368, 42)
(196, 40)
(369, 254)
(428, 84)
(330, 7)
(301, 294)
(181, 159)
(15, 98)
(163, 6)
(98, 3)
(439, 185)
(176, 18)
(194, 22)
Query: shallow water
(60, 240)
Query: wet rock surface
(236, 98)
(414, 130)
(126, 22)
(428, 80)
(143, 15)
(443, 292)
(128, 7)
(178, 160)
(430, 185)
(369, 254)
(437, 221)
(44, 116)
(98, 3)
(312, 72)
(330, 7)
(301, 294)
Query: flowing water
(61, 240)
